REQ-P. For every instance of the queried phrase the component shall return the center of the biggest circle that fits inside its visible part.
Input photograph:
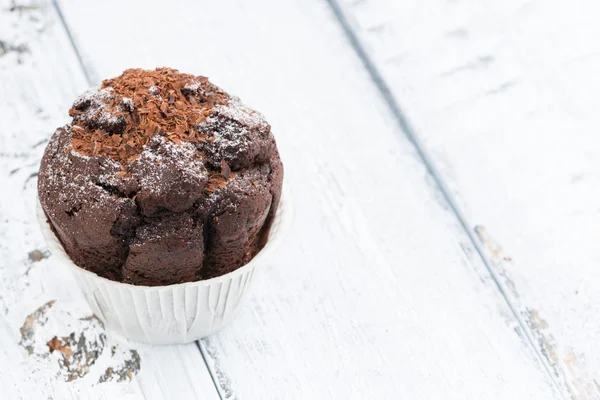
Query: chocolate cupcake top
(161, 177)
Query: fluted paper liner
(171, 314)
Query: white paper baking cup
(171, 314)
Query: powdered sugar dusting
(201, 89)
(233, 128)
(192, 86)
(161, 154)
(94, 94)
(241, 113)
(225, 134)
(57, 177)
(154, 90)
(96, 102)
(128, 102)
(75, 153)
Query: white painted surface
(505, 96)
(37, 87)
(377, 293)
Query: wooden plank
(39, 300)
(378, 293)
(504, 96)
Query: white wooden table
(444, 161)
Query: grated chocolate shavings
(121, 116)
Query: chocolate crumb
(37, 256)
(55, 344)
(225, 170)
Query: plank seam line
(413, 138)
(90, 81)
(210, 371)
(61, 17)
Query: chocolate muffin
(161, 178)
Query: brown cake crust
(161, 178)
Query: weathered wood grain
(378, 293)
(504, 97)
(39, 300)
